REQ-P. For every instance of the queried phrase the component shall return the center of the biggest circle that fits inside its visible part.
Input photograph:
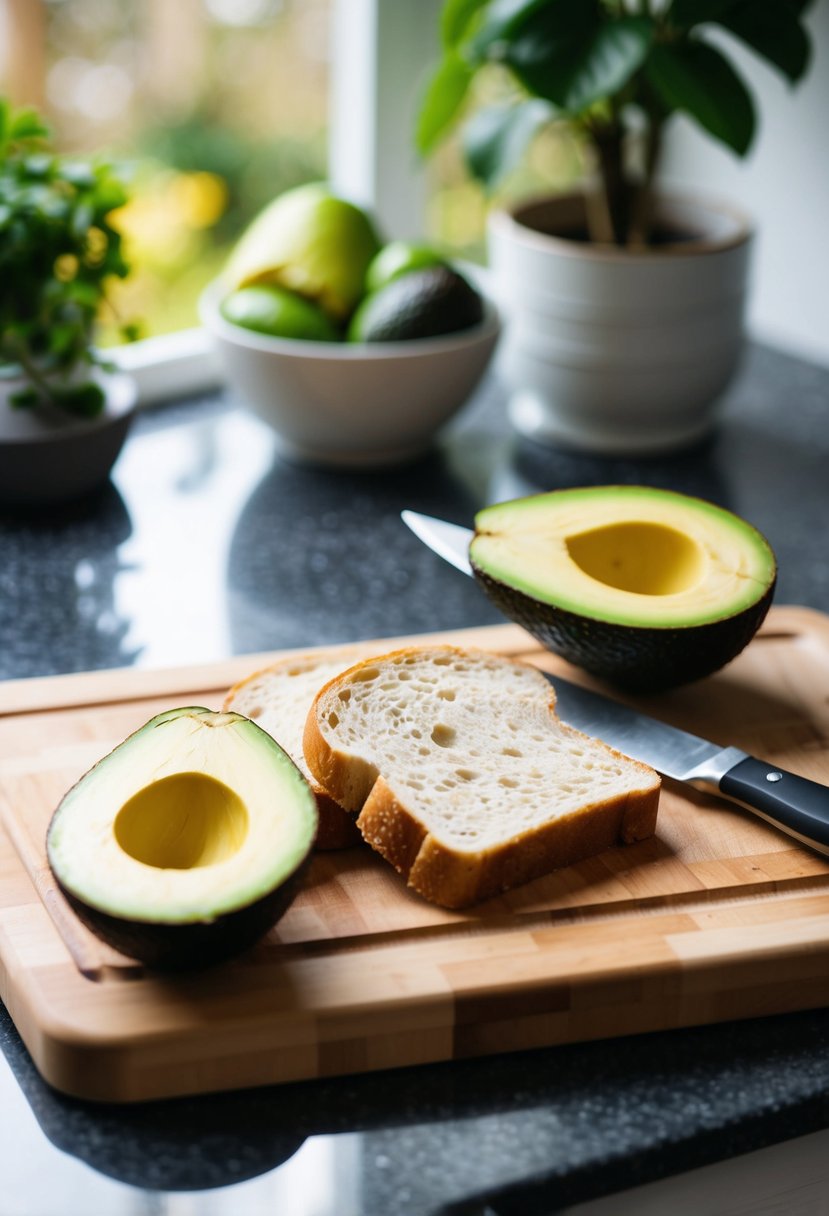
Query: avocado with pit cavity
(425, 303)
(646, 588)
(187, 842)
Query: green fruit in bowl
(270, 310)
(310, 242)
(421, 304)
(399, 258)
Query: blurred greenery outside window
(216, 106)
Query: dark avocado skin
(189, 947)
(421, 304)
(637, 659)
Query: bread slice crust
(438, 869)
(260, 696)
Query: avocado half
(187, 842)
(645, 588)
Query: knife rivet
(774, 776)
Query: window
(217, 105)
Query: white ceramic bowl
(348, 403)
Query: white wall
(784, 185)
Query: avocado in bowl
(354, 404)
(354, 351)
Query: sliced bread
(278, 699)
(464, 777)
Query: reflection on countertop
(209, 543)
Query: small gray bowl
(49, 457)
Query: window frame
(380, 52)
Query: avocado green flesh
(645, 588)
(196, 819)
(626, 555)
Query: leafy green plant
(617, 71)
(58, 250)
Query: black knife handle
(795, 804)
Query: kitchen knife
(794, 804)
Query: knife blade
(793, 804)
(449, 541)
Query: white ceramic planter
(48, 456)
(618, 352)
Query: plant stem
(608, 143)
(599, 219)
(23, 357)
(639, 232)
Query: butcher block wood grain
(718, 916)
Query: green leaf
(131, 331)
(23, 399)
(78, 173)
(26, 123)
(774, 32)
(61, 338)
(506, 18)
(685, 13)
(109, 194)
(87, 295)
(575, 71)
(442, 101)
(695, 77)
(39, 164)
(496, 137)
(5, 120)
(85, 400)
(82, 219)
(455, 20)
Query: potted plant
(626, 305)
(63, 414)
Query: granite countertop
(206, 544)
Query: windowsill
(170, 365)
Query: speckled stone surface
(306, 555)
(207, 543)
(521, 1135)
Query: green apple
(311, 242)
(278, 313)
(398, 258)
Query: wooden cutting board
(718, 916)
